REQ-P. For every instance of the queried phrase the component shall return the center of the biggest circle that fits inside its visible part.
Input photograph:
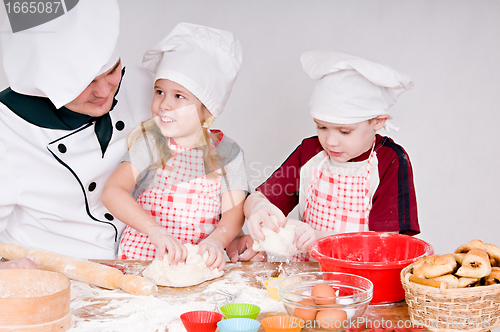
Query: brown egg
(305, 313)
(331, 319)
(321, 291)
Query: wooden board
(254, 274)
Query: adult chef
(63, 125)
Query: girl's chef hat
(350, 89)
(60, 58)
(204, 60)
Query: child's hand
(215, 251)
(262, 215)
(305, 235)
(176, 251)
(240, 249)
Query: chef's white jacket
(51, 180)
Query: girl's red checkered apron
(337, 203)
(182, 198)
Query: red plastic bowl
(380, 257)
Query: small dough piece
(192, 272)
(475, 264)
(278, 244)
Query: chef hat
(60, 58)
(203, 60)
(350, 89)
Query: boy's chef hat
(60, 58)
(350, 89)
(203, 60)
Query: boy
(348, 178)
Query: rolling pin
(81, 270)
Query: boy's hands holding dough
(159, 236)
(305, 235)
(259, 211)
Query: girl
(181, 182)
(348, 178)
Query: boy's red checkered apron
(182, 199)
(338, 203)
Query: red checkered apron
(338, 203)
(182, 199)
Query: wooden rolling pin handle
(12, 251)
(137, 285)
(81, 270)
(76, 269)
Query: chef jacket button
(62, 148)
(120, 125)
(92, 186)
(109, 216)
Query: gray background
(449, 121)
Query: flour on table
(131, 313)
(192, 272)
(278, 244)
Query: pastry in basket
(459, 257)
(494, 277)
(477, 244)
(467, 282)
(449, 278)
(492, 250)
(475, 264)
(473, 244)
(434, 266)
(494, 253)
(454, 282)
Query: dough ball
(278, 244)
(192, 272)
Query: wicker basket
(463, 309)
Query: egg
(331, 319)
(323, 294)
(305, 313)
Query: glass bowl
(336, 313)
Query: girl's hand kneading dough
(215, 251)
(159, 236)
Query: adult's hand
(19, 263)
(240, 249)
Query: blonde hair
(161, 152)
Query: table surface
(254, 273)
